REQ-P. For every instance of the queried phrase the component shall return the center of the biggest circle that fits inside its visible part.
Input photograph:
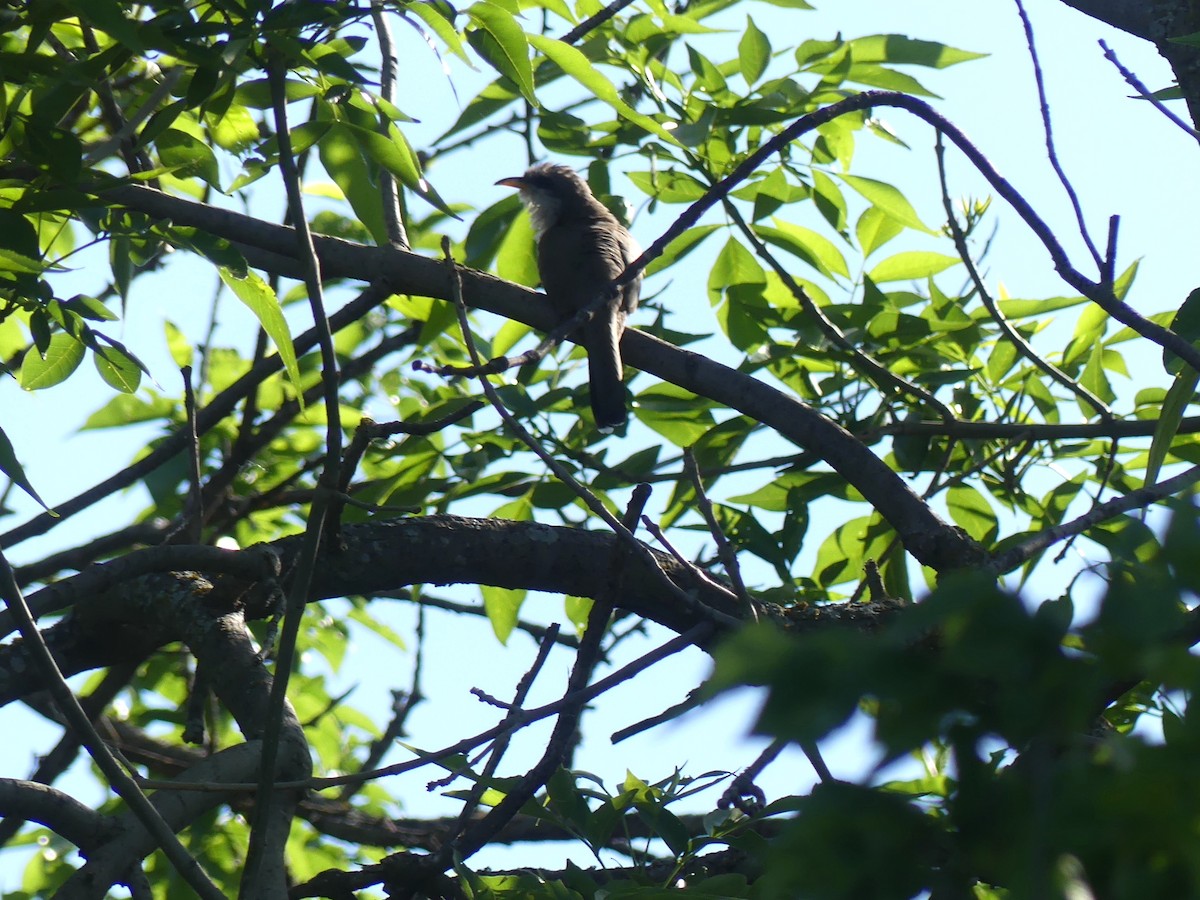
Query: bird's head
(550, 192)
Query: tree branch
(925, 535)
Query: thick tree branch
(1133, 16)
(134, 619)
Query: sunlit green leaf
(875, 228)
(261, 300)
(576, 65)
(502, 607)
(754, 52)
(971, 511)
(62, 357)
(814, 248)
(12, 468)
(902, 50)
(889, 200)
(912, 265)
(188, 156)
(118, 369)
(499, 39)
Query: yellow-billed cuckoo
(581, 249)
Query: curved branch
(136, 618)
(1098, 292)
(142, 615)
(932, 541)
(57, 810)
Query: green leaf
(178, 345)
(677, 414)
(1094, 378)
(912, 265)
(579, 67)
(1186, 324)
(1174, 407)
(18, 263)
(902, 50)
(120, 259)
(12, 468)
(501, 42)
(889, 200)
(887, 79)
(62, 357)
(126, 409)
(829, 200)
(90, 308)
(440, 19)
(577, 610)
(188, 157)
(680, 247)
(516, 260)
(502, 606)
(58, 150)
(261, 300)
(111, 17)
(1020, 309)
(118, 368)
(18, 235)
(342, 155)
(395, 154)
(971, 511)
(875, 228)
(754, 52)
(671, 186)
(815, 249)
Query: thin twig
(1145, 93)
(66, 751)
(1108, 274)
(213, 413)
(558, 746)
(690, 702)
(680, 642)
(1015, 337)
(591, 23)
(1015, 556)
(393, 219)
(369, 430)
(1051, 153)
(743, 793)
(503, 363)
(500, 746)
(423, 601)
(196, 514)
(701, 577)
(725, 550)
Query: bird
(581, 250)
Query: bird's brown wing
(630, 293)
(579, 258)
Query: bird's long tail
(605, 369)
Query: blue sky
(1122, 156)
